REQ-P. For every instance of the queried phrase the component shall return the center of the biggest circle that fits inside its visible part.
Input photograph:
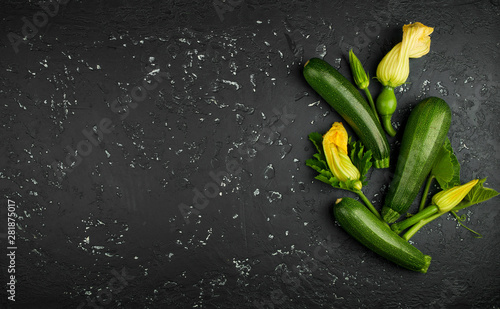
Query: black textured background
(198, 195)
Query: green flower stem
(414, 229)
(368, 203)
(460, 220)
(426, 192)
(419, 216)
(372, 104)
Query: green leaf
(360, 158)
(321, 159)
(332, 181)
(446, 168)
(317, 165)
(476, 195)
(317, 139)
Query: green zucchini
(346, 100)
(376, 235)
(423, 137)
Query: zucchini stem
(387, 124)
(426, 192)
(372, 104)
(419, 216)
(386, 106)
(414, 229)
(368, 204)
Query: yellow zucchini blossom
(394, 68)
(446, 200)
(335, 148)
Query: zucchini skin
(423, 137)
(346, 100)
(376, 235)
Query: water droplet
(285, 149)
(274, 196)
(321, 50)
(441, 88)
(239, 118)
(269, 171)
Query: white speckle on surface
(252, 81)
(154, 72)
(242, 266)
(321, 50)
(468, 80)
(273, 196)
(269, 171)
(232, 83)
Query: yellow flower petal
(416, 39)
(422, 48)
(337, 135)
(337, 158)
(446, 200)
(394, 68)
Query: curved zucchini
(362, 224)
(423, 137)
(346, 100)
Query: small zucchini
(346, 100)
(376, 235)
(423, 137)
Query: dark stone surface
(196, 195)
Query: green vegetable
(341, 94)
(365, 227)
(423, 138)
(476, 195)
(386, 106)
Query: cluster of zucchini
(423, 137)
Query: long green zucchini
(364, 226)
(423, 137)
(346, 100)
